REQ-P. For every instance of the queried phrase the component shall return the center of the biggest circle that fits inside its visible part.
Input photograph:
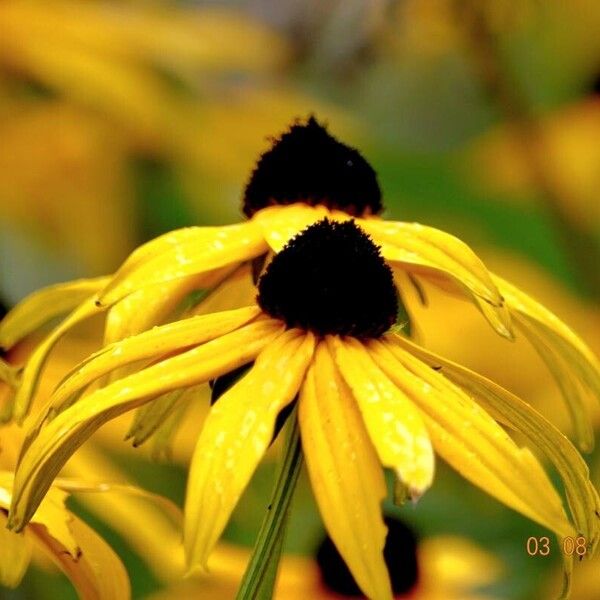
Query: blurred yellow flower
(447, 568)
(87, 86)
(570, 152)
(87, 560)
(158, 543)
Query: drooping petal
(9, 374)
(96, 572)
(571, 362)
(43, 306)
(184, 252)
(156, 342)
(519, 416)
(433, 253)
(345, 473)
(163, 438)
(94, 569)
(37, 360)
(236, 290)
(394, 424)
(47, 450)
(471, 441)
(234, 438)
(279, 224)
(150, 305)
(16, 554)
(149, 523)
(157, 415)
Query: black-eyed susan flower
(322, 331)
(307, 175)
(87, 560)
(158, 543)
(441, 567)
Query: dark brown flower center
(331, 279)
(307, 164)
(400, 555)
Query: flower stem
(259, 579)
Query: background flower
(399, 83)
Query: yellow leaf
(123, 507)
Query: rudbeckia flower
(322, 331)
(441, 567)
(158, 543)
(88, 561)
(306, 176)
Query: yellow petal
(235, 436)
(96, 572)
(125, 507)
(49, 448)
(472, 442)
(394, 424)
(430, 252)
(519, 416)
(281, 223)
(236, 290)
(184, 252)
(16, 555)
(156, 342)
(150, 417)
(43, 306)
(37, 360)
(345, 473)
(571, 362)
(150, 306)
(163, 437)
(9, 374)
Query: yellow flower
(368, 397)
(106, 71)
(158, 543)
(436, 568)
(306, 176)
(87, 560)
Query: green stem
(259, 579)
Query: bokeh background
(122, 120)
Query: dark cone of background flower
(400, 555)
(331, 279)
(595, 86)
(308, 164)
